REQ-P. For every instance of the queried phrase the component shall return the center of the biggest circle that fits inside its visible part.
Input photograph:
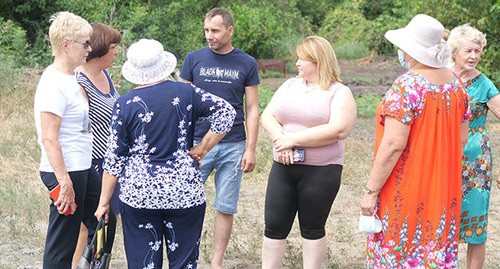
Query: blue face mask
(401, 58)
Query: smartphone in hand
(299, 155)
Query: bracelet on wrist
(370, 191)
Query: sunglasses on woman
(85, 44)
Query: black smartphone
(299, 155)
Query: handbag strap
(104, 236)
(94, 237)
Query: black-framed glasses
(85, 44)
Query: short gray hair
(465, 32)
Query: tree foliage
(345, 27)
(262, 32)
(316, 12)
(12, 41)
(269, 30)
(482, 14)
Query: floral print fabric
(150, 136)
(419, 205)
(477, 164)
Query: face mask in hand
(401, 58)
(369, 224)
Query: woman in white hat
(467, 44)
(415, 183)
(150, 150)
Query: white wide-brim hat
(422, 39)
(147, 62)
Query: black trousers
(304, 189)
(63, 231)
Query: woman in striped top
(95, 79)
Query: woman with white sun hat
(151, 151)
(415, 183)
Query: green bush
(345, 27)
(12, 41)
(490, 61)
(484, 15)
(261, 31)
(39, 54)
(10, 75)
(351, 50)
(345, 22)
(265, 94)
(270, 74)
(367, 105)
(270, 30)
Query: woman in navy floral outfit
(150, 149)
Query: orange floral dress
(420, 202)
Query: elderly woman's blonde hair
(465, 32)
(66, 25)
(319, 51)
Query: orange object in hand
(54, 194)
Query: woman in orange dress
(415, 183)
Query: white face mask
(401, 58)
(369, 224)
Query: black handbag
(96, 254)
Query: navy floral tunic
(151, 133)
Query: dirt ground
(346, 245)
(367, 75)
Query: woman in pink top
(307, 119)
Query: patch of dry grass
(24, 200)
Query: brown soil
(367, 75)
(346, 248)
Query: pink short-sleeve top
(297, 107)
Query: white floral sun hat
(423, 40)
(147, 62)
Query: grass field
(24, 200)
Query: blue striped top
(100, 109)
